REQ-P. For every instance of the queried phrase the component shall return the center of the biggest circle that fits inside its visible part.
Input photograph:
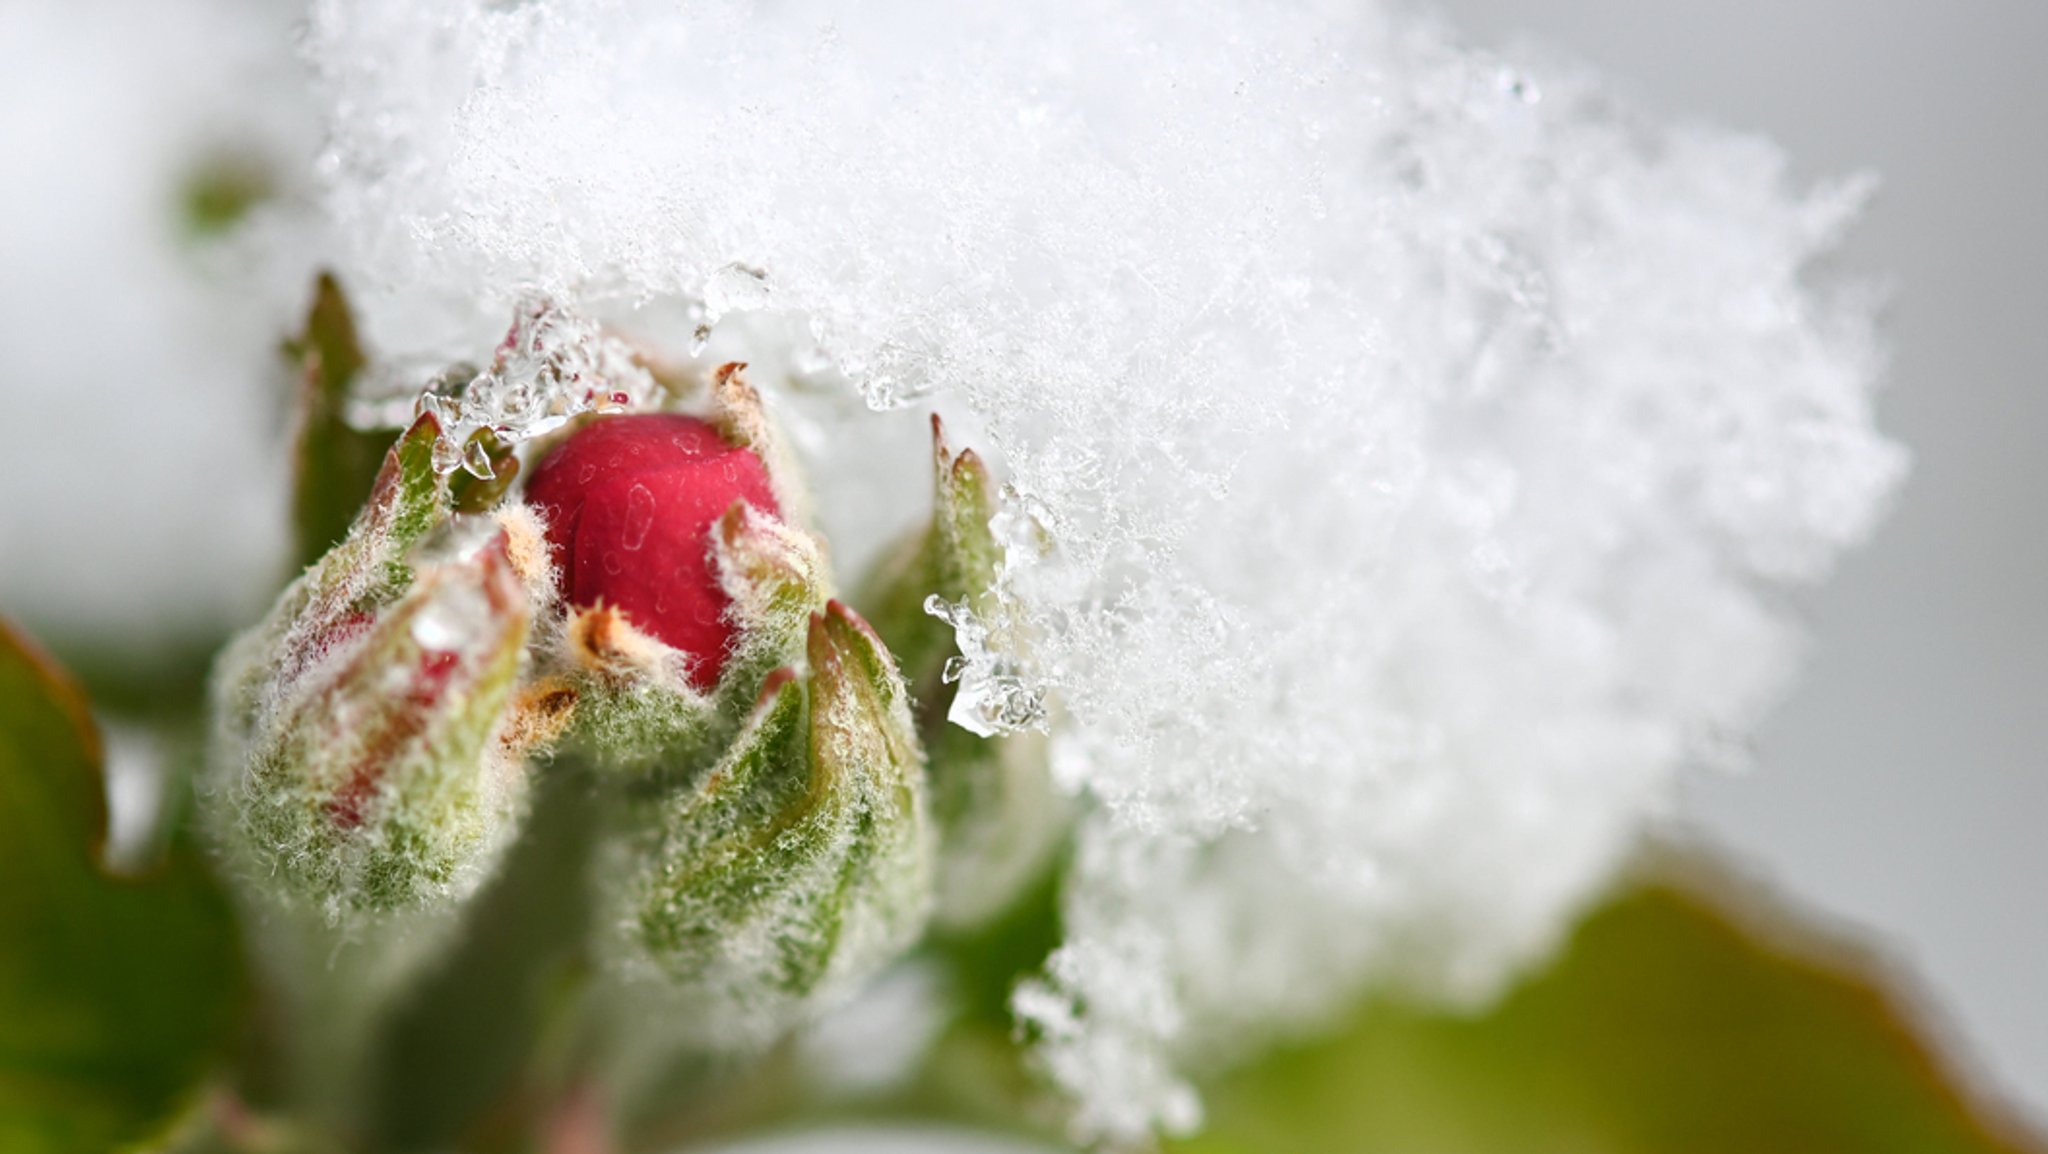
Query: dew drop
(447, 457)
(458, 615)
(735, 287)
(476, 460)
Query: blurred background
(1902, 790)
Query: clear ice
(553, 365)
(995, 696)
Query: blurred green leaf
(334, 463)
(115, 995)
(1679, 1020)
(220, 193)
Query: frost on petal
(1406, 449)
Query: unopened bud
(801, 862)
(684, 587)
(629, 503)
(360, 762)
(954, 556)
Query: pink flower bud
(630, 503)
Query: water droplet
(735, 287)
(612, 565)
(476, 459)
(639, 518)
(458, 616)
(587, 474)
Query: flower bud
(360, 762)
(685, 586)
(630, 502)
(998, 815)
(800, 863)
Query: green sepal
(638, 711)
(365, 777)
(999, 816)
(954, 556)
(800, 863)
(371, 566)
(356, 579)
(333, 463)
(473, 494)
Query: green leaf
(334, 463)
(220, 193)
(115, 995)
(1678, 1020)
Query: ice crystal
(553, 365)
(995, 696)
(1407, 447)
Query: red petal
(630, 502)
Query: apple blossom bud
(361, 763)
(685, 588)
(630, 502)
(801, 862)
